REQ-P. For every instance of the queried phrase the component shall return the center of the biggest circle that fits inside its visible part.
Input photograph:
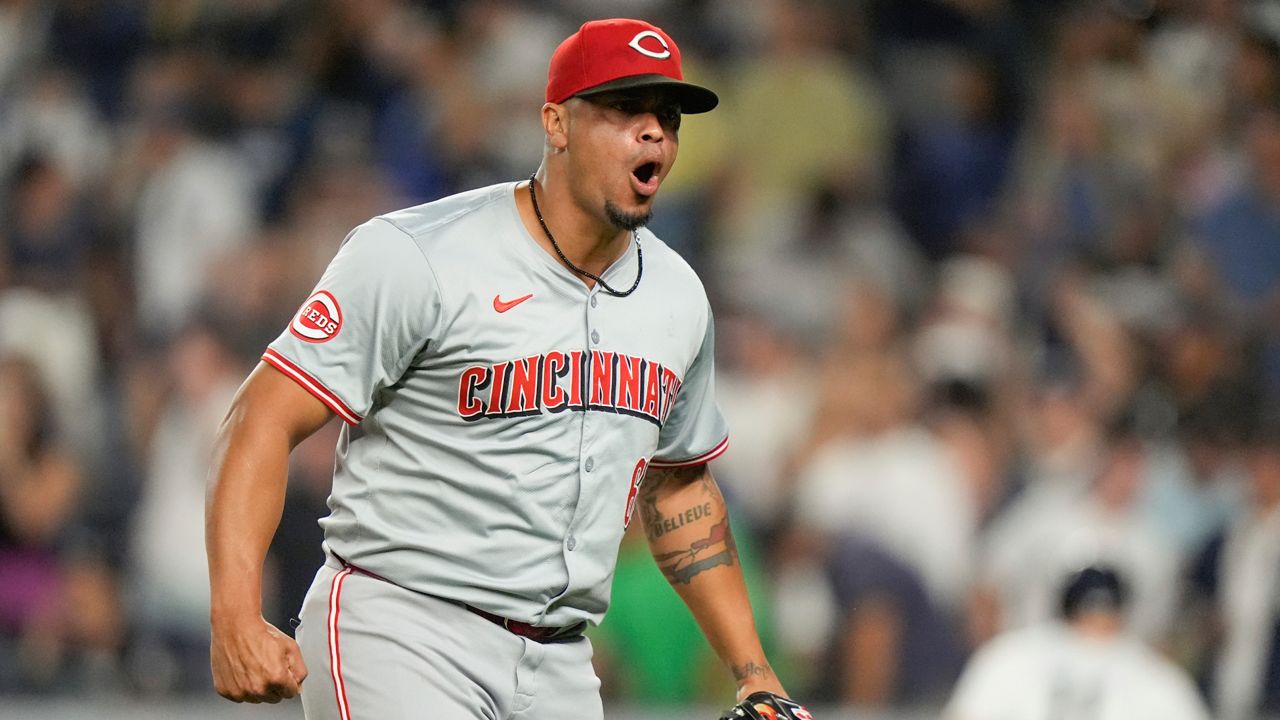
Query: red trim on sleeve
(311, 385)
(705, 457)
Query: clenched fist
(254, 662)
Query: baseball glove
(766, 706)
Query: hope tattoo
(750, 670)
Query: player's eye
(667, 113)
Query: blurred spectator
(99, 40)
(193, 198)
(1237, 239)
(508, 44)
(51, 118)
(967, 422)
(1254, 79)
(1086, 666)
(274, 111)
(1062, 436)
(765, 388)
(1211, 164)
(965, 336)
(844, 250)
(57, 334)
(40, 486)
(891, 481)
(1192, 51)
(1144, 114)
(1082, 328)
(47, 238)
(1195, 482)
(169, 578)
(898, 521)
(1238, 236)
(802, 118)
(410, 72)
(1203, 364)
(1042, 535)
(1240, 574)
(24, 27)
(952, 165)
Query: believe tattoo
(662, 525)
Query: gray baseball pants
(376, 651)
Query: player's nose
(651, 128)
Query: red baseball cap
(621, 54)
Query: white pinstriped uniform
(1051, 672)
(500, 414)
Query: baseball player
(523, 369)
(1086, 668)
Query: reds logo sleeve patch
(319, 320)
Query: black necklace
(533, 195)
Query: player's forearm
(242, 510)
(687, 524)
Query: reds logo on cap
(319, 320)
(662, 54)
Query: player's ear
(555, 123)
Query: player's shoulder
(1140, 657)
(422, 222)
(395, 244)
(1164, 684)
(1023, 646)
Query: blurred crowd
(997, 285)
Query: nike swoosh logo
(504, 305)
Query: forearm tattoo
(712, 551)
(751, 670)
(665, 524)
(658, 481)
(715, 548)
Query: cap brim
(693, 99)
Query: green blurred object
(651, 641)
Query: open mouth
(645, 172)
(644, 178)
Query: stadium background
(997, 286)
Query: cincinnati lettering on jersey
(559, 381)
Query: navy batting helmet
(1097, 587)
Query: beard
(626, 221)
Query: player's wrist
(231, 613)
(755, 675)
(745, 691)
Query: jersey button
(595, 337)
(593, 301)
(590, 464)
(573, 543)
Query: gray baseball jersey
(500, 414)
